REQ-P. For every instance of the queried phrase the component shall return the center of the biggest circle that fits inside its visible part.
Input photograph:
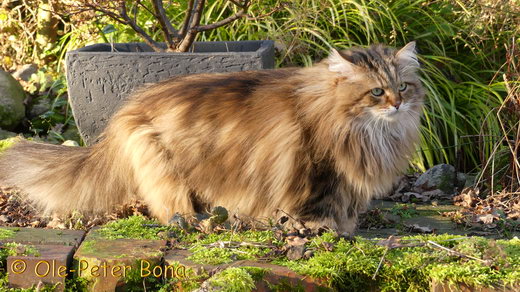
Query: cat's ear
(339, 64)
(407, 55)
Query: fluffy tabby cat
(317, 143)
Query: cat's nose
(397, 104)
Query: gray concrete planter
(100, 77)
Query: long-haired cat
(318, 143)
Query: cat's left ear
(339, 64)
(407, 55)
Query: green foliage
(353, 265)
(221, 248)
(405, 211)
(6, 233)
(232, 280)
(6, 143)
(13, 248)
(136, 227)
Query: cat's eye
(377, 91)
(403, 86)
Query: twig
(166, 26)
(138, 29)
(380, 263)
(222, 244)
(191, 32)
(456, 252)
(187, 19)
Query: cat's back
(219, 88)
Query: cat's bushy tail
(62, 178)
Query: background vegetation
(469, 51)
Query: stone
(295, 252)
(101, 76)
(461, 180)
(37, 236)
(25, 72)
(39, 107)
(440, 177)
(105, 263)
(50, 265)
(6, 134)
(12, 108)
(70, 143)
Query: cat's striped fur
(314, 142)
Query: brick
(50, 266)
(39, 236)
(105, 262)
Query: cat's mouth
(388, 113)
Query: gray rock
(6, 134)
(41, 106)
(440, 177)
(461, 180)
(25, 72)
(70, 143)
(12, 109)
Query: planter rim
(264, 46)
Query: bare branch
(166, 26)
(187, 19)
(138, 29)
(223, 22)
(192, 32)
(243, 11)
(146, 8)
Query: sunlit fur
(313, 142)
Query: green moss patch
(13, 249)
(6, 143)
(412, 263)
(6, 233)
(226, 247)
(232, 279)
(134, 227)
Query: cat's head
(378, 81)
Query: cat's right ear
(339, 64)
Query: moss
(76, 284)
(12, 249)
(189, 280)
(4, 286)
(134, 281)
(256, 272)
(351, 265)
(89, 246)
(232, 280)
(405, 211)
(6, 143)
(202, 253)
(135, 227)
(6, 233)
(284, 285)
